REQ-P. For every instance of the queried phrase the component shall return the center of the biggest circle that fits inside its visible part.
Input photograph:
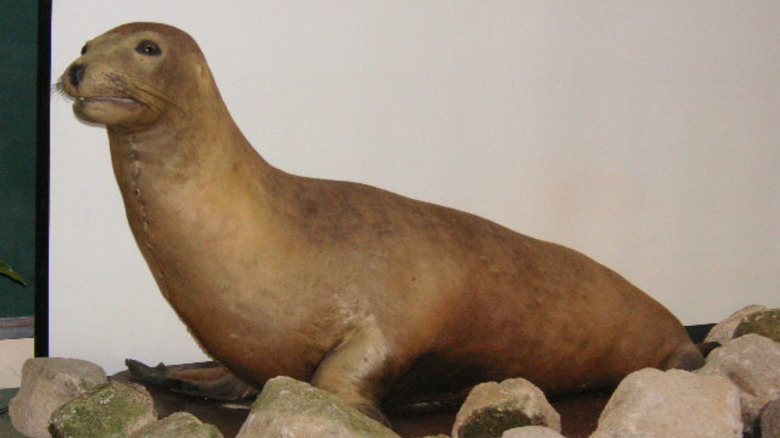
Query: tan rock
(674, 404)
(724, 331)
(47, 384)
(492, 408)
(752, 362)
(288, 408)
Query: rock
(752, 362)
(769, 420)
(724, 331)
(765, 323)
(531, 432)
(110, 410)
(675, 403)
(492, 408)
(47, 384)
(292, 409)
(180, 424)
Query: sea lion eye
(149, 48)
(84, 49)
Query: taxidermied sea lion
(367, 294)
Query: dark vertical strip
(42, 181)
(699, 332)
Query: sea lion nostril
(76, 74)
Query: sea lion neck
(173, 177)
(190, 157)
(182, 141)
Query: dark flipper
(688, 358)
(706, 347)
(214, 382)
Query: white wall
(644, 134)
(13, 354)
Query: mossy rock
(180, 424)
(112, 410)
(493, 421)
(765, 323)
(288, 406)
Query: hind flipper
(214, 382)
(688, 357)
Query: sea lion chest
(214, 247)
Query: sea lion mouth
(110, 99)
(124, 102)
(107, 98)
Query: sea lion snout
(134, 75)
(75, 74)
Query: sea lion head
(135, 75)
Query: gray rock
(492, 408)
(765, 323)
(769, 423)
(752, 362)
(531, 432)
(180, 424)
(724, 331)
(675, 403)
(47, 384)
(110, 410)
(291, 409)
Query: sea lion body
(368, 294)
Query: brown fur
(368, 294)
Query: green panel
(18, 84)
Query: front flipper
(214, 382)
(359, 371)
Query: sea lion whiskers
(58, 88)
(119, 94)
(153, 92)
(132, 87)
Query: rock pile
(73, 398)
(47, 384)
(736, 394)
